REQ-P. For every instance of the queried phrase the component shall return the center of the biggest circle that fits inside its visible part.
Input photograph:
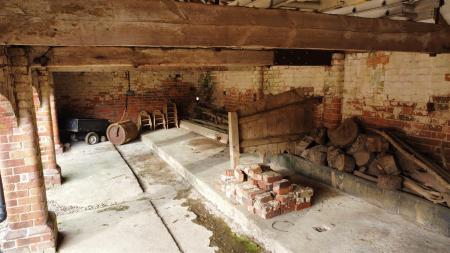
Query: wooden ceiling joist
(166, 23)
(76, 58)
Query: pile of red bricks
(264, 192)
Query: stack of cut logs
(377, 156)
(264, 192)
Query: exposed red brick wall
(41, 95)
(30, 227)
(405, 92)
(102, 95)
(242, 86)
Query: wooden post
(233, 135)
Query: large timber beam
(166, 23)
(95, 58)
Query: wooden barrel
(122, 132)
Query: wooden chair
(171, 114)
(144, 120)
(159, 119)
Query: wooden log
(345, 134)
(302, 145)
(373, 169)
(122, 132)
(362, 158)
(316, 154)
(359, 145)
(389, 182)
(383, 164)
(337, 159)
(376, 143)
(388, 165)
(408, 153)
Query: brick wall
(393, 90)
(102, 94)
(242, 86)
(385, 89)
(30, 227)
(41, 96)
(235, 87)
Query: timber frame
(167, 23)
(59, 59)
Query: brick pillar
(332, 102)
(52, 172)
(30, 227)
(58, 146)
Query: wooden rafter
(76, 58)
(166, 23)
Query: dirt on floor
(223, 237)
(151, 170)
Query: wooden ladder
(171, 113)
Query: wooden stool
(144, 120)
(170, 111)
(159, 119)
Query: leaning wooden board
(272, 124)
(205, 131)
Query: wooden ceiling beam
(167, 23)
(91, 58)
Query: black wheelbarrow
(92, 131)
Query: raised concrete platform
(350, 224)
(413, 208)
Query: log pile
(264, 192)
(377, 156)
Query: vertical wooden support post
(233, 135)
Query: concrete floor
(101, 207)
(348, 224)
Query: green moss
(248, 244)
(223, 237)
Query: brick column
(334, 83)
(58, 146)
(52, 172)
(30, 227)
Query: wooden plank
(272, 102)
(233, 133)
(64, 58)
(270, 140)
(167, 23)
(207, 132)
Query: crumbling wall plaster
(407, 92)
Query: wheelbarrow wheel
(92, 138)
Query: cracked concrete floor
(103, 207)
